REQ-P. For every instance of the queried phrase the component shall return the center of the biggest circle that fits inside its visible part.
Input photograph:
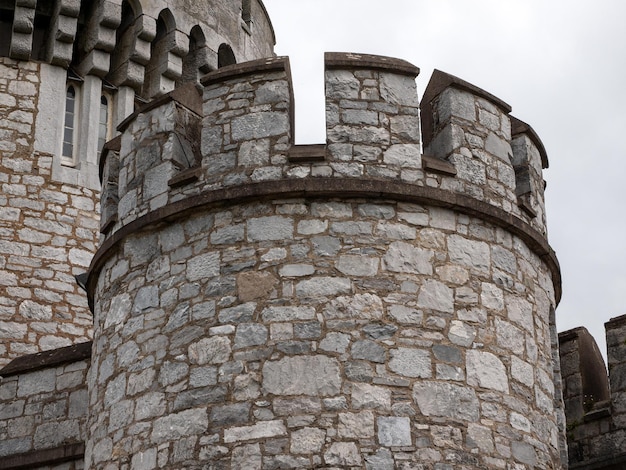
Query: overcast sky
(561, 65)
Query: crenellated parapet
(595, 402)
(476, 156)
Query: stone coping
(46, 359)
(39, 458)
(616, 322)
(520, 127)
(439, 81)
(280, 63)
(333, 188)
(349, 60)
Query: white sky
(561, 65)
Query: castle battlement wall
(594, 402)
(350, 304)
(373, 134)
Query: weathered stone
(368, 350)
(215, 350)
(411, 362)
(308, 441)
(486, 370)
(261, 430)
(323, 286)
(446, 400)
(370, 397)
(394, 431)
(302, 375)
(174, 426)
(405, 258)
(335, 342)
(270, 228)
(356, 425)
(470, 253)
(359, 306)
(250, 334)
(343, 454)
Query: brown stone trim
(39, 458)
(307, 153)
(271, 64)
(185, 177)
(519, 127)
(570, 335)
(615, 322)
(334, 188)
(436, 165)
(46, 359)
(187, 96)
(348, 60)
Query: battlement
(595, 402)
(476, 156)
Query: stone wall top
(373, 137)
(347, 60)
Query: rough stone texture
(298, 328)
(43, 409)
(337, 332)
(49, 229)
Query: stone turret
(259, 304)
(595, 403)
(71, 72)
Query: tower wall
(356, 304)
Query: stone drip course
(360, 310)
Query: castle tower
(70, 72)
(354, 304)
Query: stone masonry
(383, 300)
(354, 305)
(48, 230)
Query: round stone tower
(70, 73)
(355, 304)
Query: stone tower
(354, 304)
(383, 300)
(70, 72)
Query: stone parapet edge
(349, 60)
(330, 188)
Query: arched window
(225, 56)
(6, 28)
(68, 149)
(104, 121)
(195, 61)
(154, 82)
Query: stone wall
(43, 409)
(594, 403)
(48, 230)
(348, 305)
